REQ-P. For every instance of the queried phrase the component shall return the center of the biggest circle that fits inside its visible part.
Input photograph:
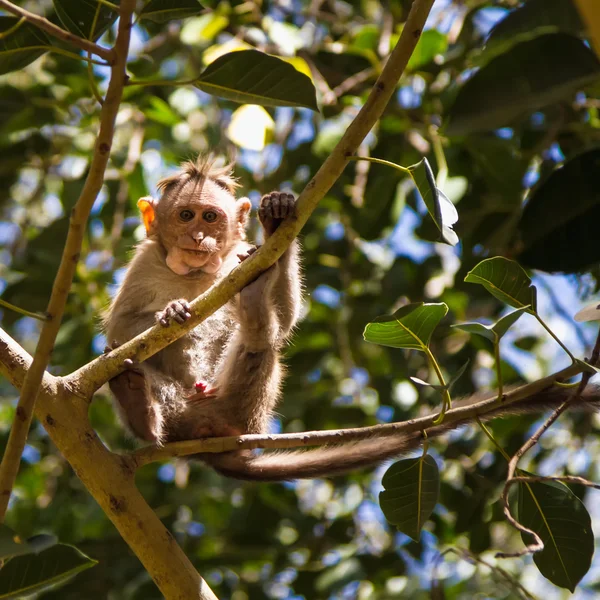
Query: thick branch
(68, 264)
(339, 436)
(109, 479)
(57, 32)
(90, 377)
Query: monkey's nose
(198, 236)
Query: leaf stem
(492, 438)
(440, 157)
(543, 324)
(22, 311)
(12, 29)
(498, 365)
(109, 4)
(380, 161)
(446, 399)
(158, 82)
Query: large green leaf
(412, 488)
(506, 280)
(409, 327)
(528, 21)
(564, 525)
(441, 209)
(21, 46)
(528, 76)
(558, 228)
(34, 573)
(78, 17)
(252, 77)
(161, 11)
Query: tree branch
(109, 478)
(340, 436)
(68, 264)
(90, 377)
(57, 32)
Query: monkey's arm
(287, 290)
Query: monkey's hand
(274, 208)
(176, 310)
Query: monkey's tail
(338, 459)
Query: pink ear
(146, 206)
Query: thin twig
(90, 377)
(57, 32)
(62, 283)
(22, 311)
(538, 544)
(464, 554)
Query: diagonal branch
(68, 264)
(57, 32)
(108, 477)
(90, 377)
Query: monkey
(224, 376)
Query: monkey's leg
(141, 414)
(287, 289)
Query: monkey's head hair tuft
(204, 167)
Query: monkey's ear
(146, 206)
(243, 206)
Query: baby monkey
(223, 377)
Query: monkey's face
(197, 226)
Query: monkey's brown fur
(236, 350)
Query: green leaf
(441, 210)
(506, 280)
(527, 77)
(564, 525)
(409, 327)
(412, 488)
(528, 21)
(495, 331)
(558, 226)
(34, 573)
(161, 11)
(21, 46)
(9, 546)
(77, 16)
(252, 77)
(430, 44)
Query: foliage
(507, 120)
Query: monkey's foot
(203, 391)
(274, 208)
(176, 310)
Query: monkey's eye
(186, 215)
(210, 216)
